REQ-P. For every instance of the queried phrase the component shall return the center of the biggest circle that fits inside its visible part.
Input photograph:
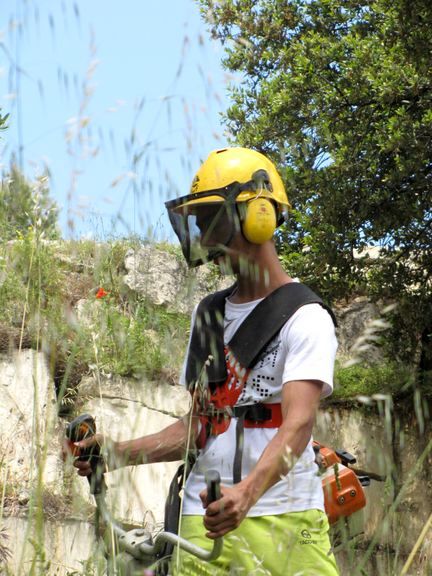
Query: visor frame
(228, 193)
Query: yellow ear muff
(259, 221)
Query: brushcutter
(130, 552)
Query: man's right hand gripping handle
(83, 427)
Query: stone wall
(30, 438)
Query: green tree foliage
(339, 93)
(26, 206)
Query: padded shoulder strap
(207, 339)
(267, 319)
(253, 335)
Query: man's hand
(227, 513)
(73, 450)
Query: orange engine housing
(343, 493)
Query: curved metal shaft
(143, 550)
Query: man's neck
(259, 284)
(256, 267)
(241, 295)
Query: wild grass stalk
(417, 545)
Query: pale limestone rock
(28, 419)
(66, 545)
(165, 280)
(353, 320)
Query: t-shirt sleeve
(310, 340)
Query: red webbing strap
(223, 396)
(229, 393)
(213, 426)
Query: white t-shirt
(304, 349)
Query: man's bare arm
(299, 405)
(168, 445)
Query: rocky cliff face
(34, 478)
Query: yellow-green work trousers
(292, 544)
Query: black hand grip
(82, 427)
(346, 458)
(212, 479)
(364, 480)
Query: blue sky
(120, 100)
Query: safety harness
(216, 373)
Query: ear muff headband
(259, 221)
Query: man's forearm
(278, 458)
(300, 401)
(168, 445)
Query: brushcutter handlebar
(142, 547)
(212, 479)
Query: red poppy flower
(101, 293)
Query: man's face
(205, 231)
(236, 257)
(220, 229)
(212, 224)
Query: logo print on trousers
(307, 538)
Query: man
(251, 423)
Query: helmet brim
(233, 193)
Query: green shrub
(369, 379)
(133, 344)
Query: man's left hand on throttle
(227, 513)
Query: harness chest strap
(260, 415)
(250, 416)
(253, 415)
(250, 340)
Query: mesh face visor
(204, 228)
(205, 222)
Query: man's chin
(224, 264)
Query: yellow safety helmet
(235, 188)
